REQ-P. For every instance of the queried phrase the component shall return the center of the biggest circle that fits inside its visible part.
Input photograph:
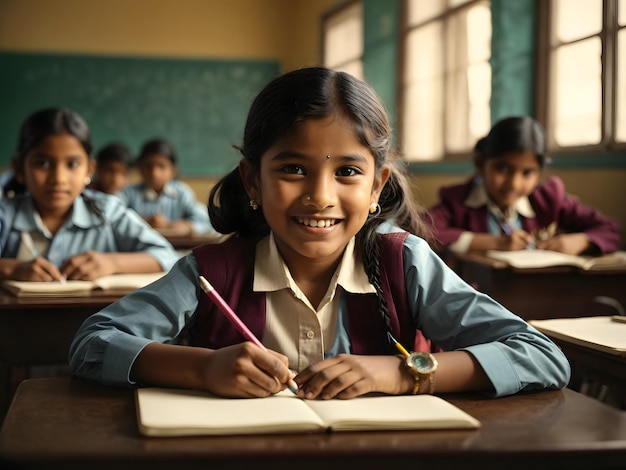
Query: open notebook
(118, 283)
(172, 412)
(545, 258)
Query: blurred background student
(56, 229)
(164, 202)
(114, 162)
(504, 206)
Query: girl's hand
(570, 243)
(244, 370)
(88, 266)
(157, 220)
(518, 240)
(39, 269)
(348, 376)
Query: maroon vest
(229, 267)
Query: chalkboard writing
(199, 105)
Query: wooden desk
(39, 331)
(68, 423)
(532, 294)
(593, 356)
(187, 242)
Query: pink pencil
(235, 320)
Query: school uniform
(466, 208)
(513, 354)
(176, 202)
(119, 229)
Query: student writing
(504, 206)
(318, 273)
(163, 201)
(113, 164)
(57, 229)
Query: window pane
(578, 93)
(422, 128)
(343, 36)
(421, 10)
(620, 99)
(574, 19)
(423, 94)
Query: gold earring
(375, 209)
(254, 205)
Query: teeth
(316, 223)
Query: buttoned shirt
(115, 229)
(455, 316)
(177, 201)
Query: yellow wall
(287, 30)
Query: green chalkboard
(199, 105)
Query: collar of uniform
(478, 197)
(350, 275)
(151, 195)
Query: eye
(502, 168)
(348, 171)
(293, 169)
(529, 173)
(41, 163)
(73, 164)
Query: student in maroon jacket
(505, 207)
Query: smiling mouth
(321, 223)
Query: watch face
(422, 362)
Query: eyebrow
(292, 155)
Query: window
(343, 39)
(585, 72)
(446, 78)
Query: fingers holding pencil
(276, 370)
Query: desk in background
(596, 350)
(184, 243)
(69, 423)
(39, 331)
(541, 293)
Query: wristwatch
(422, 366)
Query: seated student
(318, 274)
(59, 230)
(163, 201)
(505, 207)
(113, 164)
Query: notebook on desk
(117, 283)
(525, 259)
(172, 412)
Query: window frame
(544, 104)
(405, 30)
(326, 17)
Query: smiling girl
(57, 229)
(327, 268)
(505, 207)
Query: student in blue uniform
(162, 200)
(113, 164)
(318, 273)
(59, 230)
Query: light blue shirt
(177, 201)
(119, 230)
(454, 315)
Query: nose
(320, 193)
(58, 173)
(516, 181)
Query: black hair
(513, 134)
(115, 152)
(315, 93)
(38, 126)
(158, 145)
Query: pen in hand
(236, 321)
(28, 242)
